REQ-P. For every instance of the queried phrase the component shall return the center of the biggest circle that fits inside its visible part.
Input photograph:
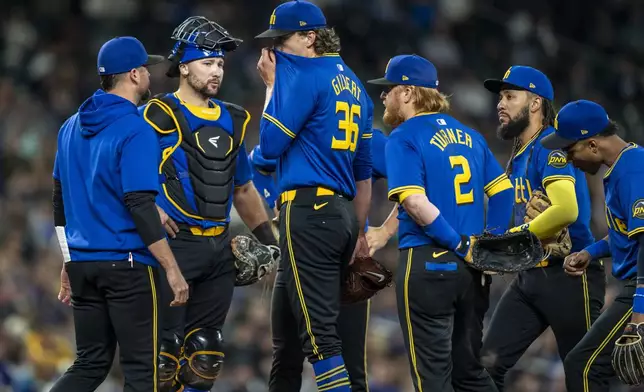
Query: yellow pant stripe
(340, 383)
(298, 286)
(584, 284)
(603, 344)
(366, 334)
(412, 351)
(154, 325)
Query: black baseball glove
(505, 253)
(365, 278)
(253, 260)
(628, 355)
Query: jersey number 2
(347, 125)
(462, 179)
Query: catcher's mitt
(365, 278)
(628, 355)
(253, 260)
(560, 245)
(505, 253)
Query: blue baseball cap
(524, 78)
(578, 120)
(122, 54)
(297, 15)
(410, 70)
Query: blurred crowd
(592, 50)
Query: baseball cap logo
(507, 73)
(272, 20)
(583, 131)
(302, 23)
(532, 85)
(404, 77)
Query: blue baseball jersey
(434, 154)
(318, 123)
(533, 167)
(217, 116)
(624, 190)
(379, 164)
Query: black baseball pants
(588, 366)
(207, 263)
(318, 233)
(535, 300)
(113, 302)
(288, 357)
(441, 304)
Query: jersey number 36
(348, 125)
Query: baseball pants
(441, 305)
(318, 233)
(208, 266)
(588, 366)
(535, 300)
(288, 357)
(114, 303)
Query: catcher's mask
(198, 38)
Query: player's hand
(362, 248)
(168, 224)
(65, 293)
(576, 263)
(178, 285)
(266, 67)
(377, 238)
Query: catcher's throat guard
(507, 253)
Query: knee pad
(168, 363)
(203, 359)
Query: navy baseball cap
(578, 120)
(409, 69)
(297, 15)
(525, 78)
(122, 54)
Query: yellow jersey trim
(279, 125)
(557, 177)
(392, 195)
(635, 231)
(610, 169)
(525, 146)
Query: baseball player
(589, 139)
(439, 171)
(317, 121)
(353, 320)
(109, 228)
(544, 296)
(204, 171)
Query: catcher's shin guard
(202, 360)
(169, 355)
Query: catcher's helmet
(197, 32)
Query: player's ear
(592, 144)
(183, 70)
(407, 94)
(535, 106)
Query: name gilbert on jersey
(445, 137)
(341, 83)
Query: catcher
(551, 200)
(590, 140)
(439, 171)
(204, 170)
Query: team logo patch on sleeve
(557, 159)
(638, 209)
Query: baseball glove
(365, 278)
(505, 253)
(253, 260)
(628, 355)
(558, 245)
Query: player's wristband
(441, 231)
(264, 233)
(598, 249)
(638, 300)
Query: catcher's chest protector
(197, 170)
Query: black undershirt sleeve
(57, 202)
(145, 215)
